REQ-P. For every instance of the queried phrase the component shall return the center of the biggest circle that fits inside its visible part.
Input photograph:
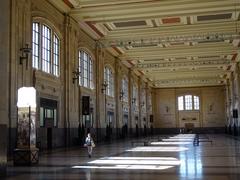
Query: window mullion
(40, 46)
(184, 106)
(51, 52)
(192, 103)
(88, 72)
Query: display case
(26, 152)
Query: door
(48, 122)
(49, 138)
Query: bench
(162, 137)
(145, 143)
(198, 139)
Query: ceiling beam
(179, 30)
(153, 9)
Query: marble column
(147, 106)
(139, 103)
(236, 96)
(228, 103)
(100, 93)
(130, 99)
(68, 78)
(116, 95)
(232, 102)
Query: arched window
(125, 89)
(85, 66)
(108, 79)
(143, 98)
(135, 95)
(188, 102)
(45, 49)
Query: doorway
(48, 122)
(49, 138)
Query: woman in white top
(89, 144)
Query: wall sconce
(104, 86)
(133, 100)
(142, 104)
(76, 75)
(121, 95)
(167, 109)
(25, 52)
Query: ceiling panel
(174, 43)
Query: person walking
(89, 143)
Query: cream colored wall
(211, 113)
(213, 102)
(62, 89)
(165, 103)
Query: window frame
(135, 94)
(124, 87)
(45, 56)
(189, 102)
(109, 80)
(85, 67)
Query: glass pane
(111, 81)
(196, 102)
(188, 102)
(80, 67)
(56, 55)
(86, 67)
(46, 50)
(55, 117)
(180, 103)
(35, 45)
(125, 89)
(108, 80)
(49, 113)
(41, 116)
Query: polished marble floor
(166, 157)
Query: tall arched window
(143, 98)
(45, 49)
(135, 95)
(108, 79)
(188, 102)
(125, 89)
(85, 65)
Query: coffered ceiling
(173, 43)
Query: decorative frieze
(187, 82)
(219, 62)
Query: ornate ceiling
(173, 43)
